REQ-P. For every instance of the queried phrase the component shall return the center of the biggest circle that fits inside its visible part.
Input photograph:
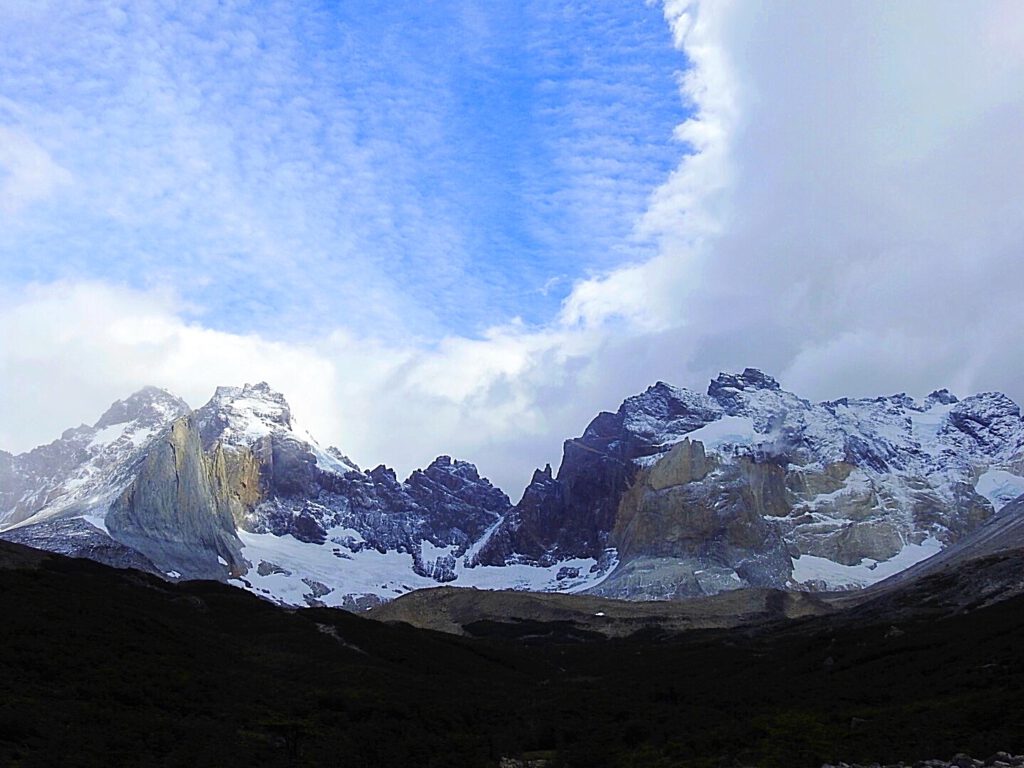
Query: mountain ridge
(677, 493)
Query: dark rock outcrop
(76, 537)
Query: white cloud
(71, 348)
(505, 401)
(852, 215)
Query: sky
(467, 227)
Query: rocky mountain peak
(659, 414)
(753, 394)
(244, 414)
(676, 492)
(383, 475)
(251, 395)
(988, 407)
(342, 459)
(76, 433)
(542, 475)
(150, 406)
(452, 471)
(940, 397)
(750, 379)
(991, 420)
(443, 462)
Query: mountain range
(678, 493)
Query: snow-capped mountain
(676, 493)
(750, 485)
(81, 473)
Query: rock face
(76, 537)
(176, 512)
(573, 515)
(688, 527)
(285, 484)
(677, 493)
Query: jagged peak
(251, 397)
(246, 413)
(542, 475)
(941, 397)
(335, 453)
(383, 474)
(260, 391)
(658, 413)
(82, 429)
(990, 403)
(662, 397)
(658, 391)
(443, 461)
(450, 471)
(662, 387)
(151, 405)
(750, 379)
(262, 388)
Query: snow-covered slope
(252, 415)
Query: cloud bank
(847, 214)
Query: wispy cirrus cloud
(29, 173)
(397, 170)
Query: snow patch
(290, 561)
(106, 436)
(431, 553)
(348, 537)
(290, 565)
(97, 521)
(566, 576)
(477, 545)
(999, 487)
(838, 576)
(728, 430)
(927, 425)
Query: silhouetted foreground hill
(100, 667)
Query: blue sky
(397, 169)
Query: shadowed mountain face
(675, 494)
(111, 667)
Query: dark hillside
(101, 667)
